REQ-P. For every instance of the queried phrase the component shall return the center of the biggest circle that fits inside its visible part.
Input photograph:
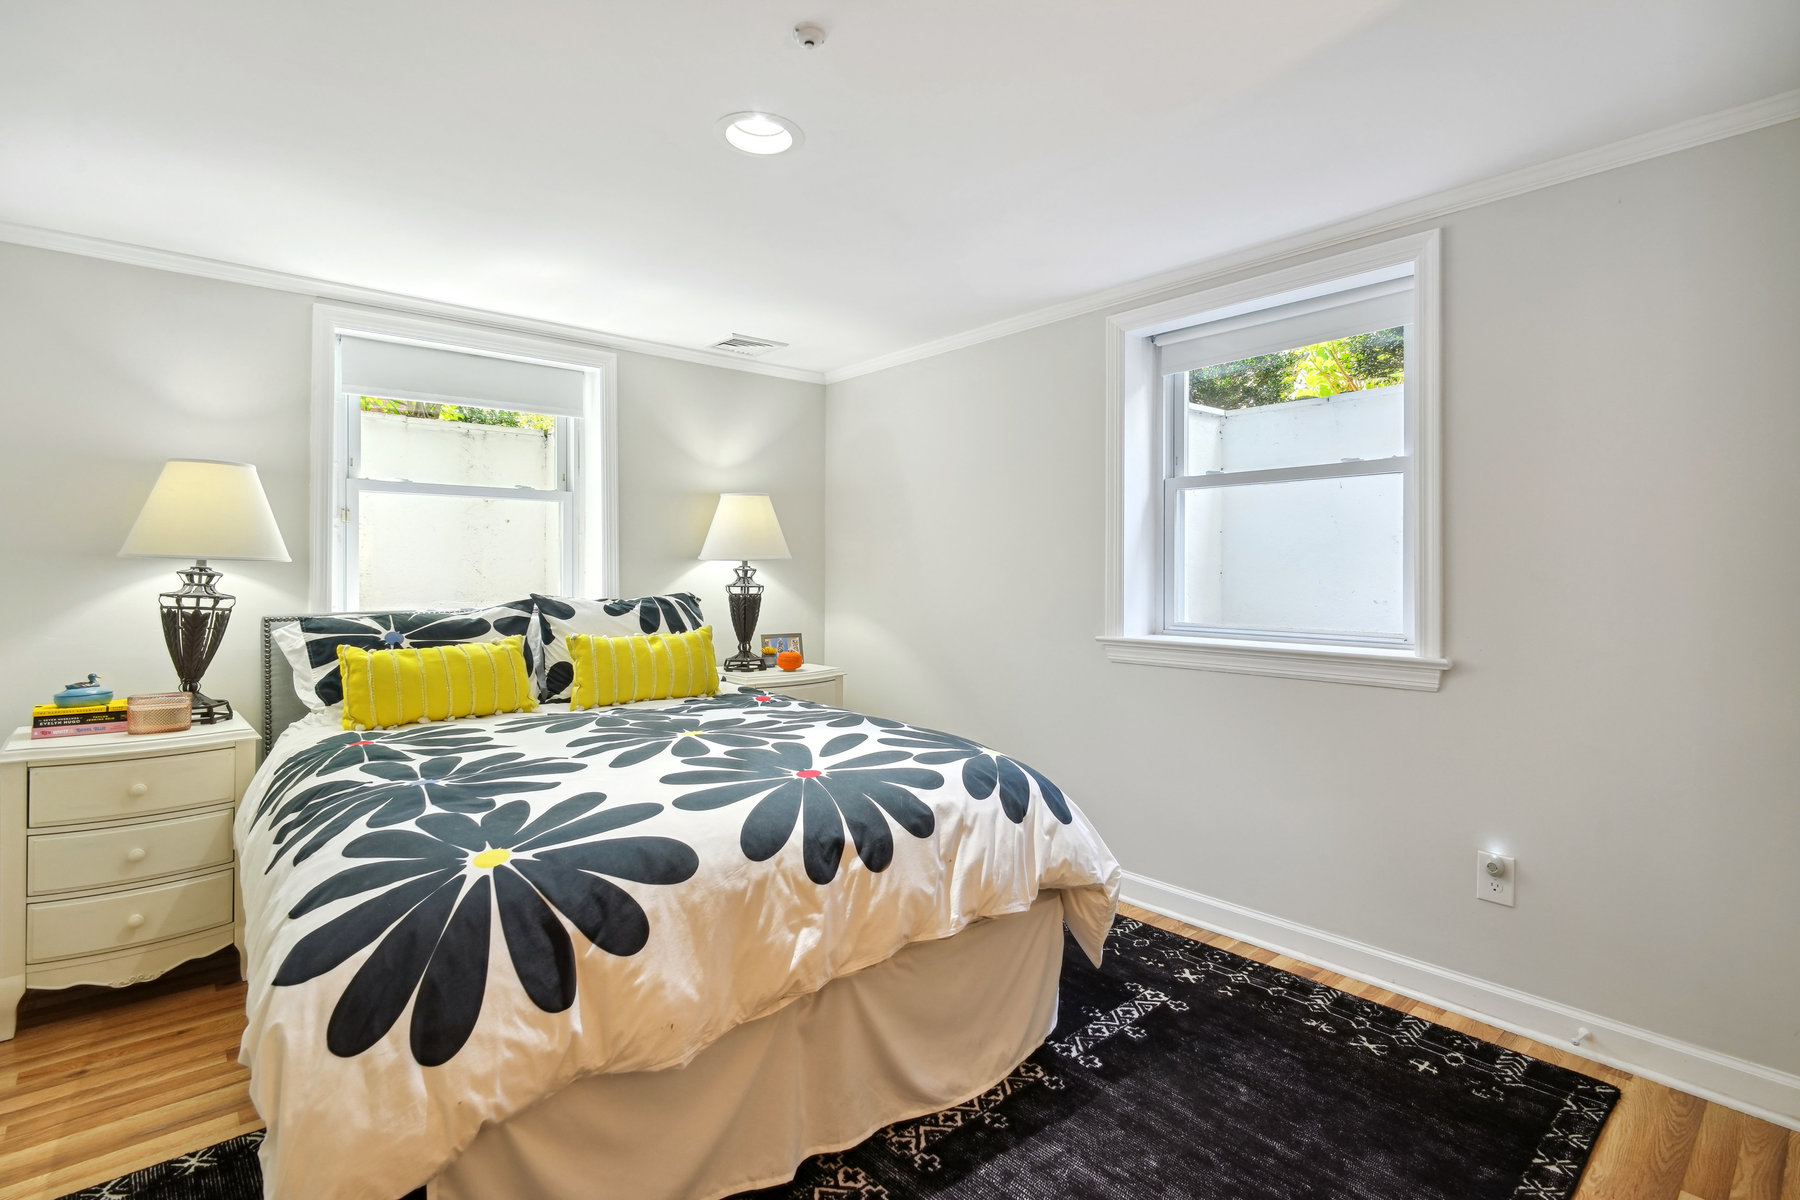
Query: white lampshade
(205, 509)
(744, 527)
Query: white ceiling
(963, 162)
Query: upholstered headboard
(281, 705)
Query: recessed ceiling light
(759, 132)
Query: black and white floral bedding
(448, 922)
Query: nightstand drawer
(136, 787)
(827, 691)
(95, 858)
(97, 924)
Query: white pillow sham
(310, 644)
(561, 617)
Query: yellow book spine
(53, 710)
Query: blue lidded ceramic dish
(77, 694)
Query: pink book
(79, 730)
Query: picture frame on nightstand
(775, 643)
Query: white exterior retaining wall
(431, 551)
(1257, 553)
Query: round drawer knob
(134, 920)
(136, 854)
(137, 789)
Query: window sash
(355, 489)
(568, 435)
(1175, 453)
(568, 498)
(1397, 464)
(1173, 559)
(474, 490)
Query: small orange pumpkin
(788, 660)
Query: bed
(663, 951)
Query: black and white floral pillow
(311, 643)
(560, 617)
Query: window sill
(1286, 660)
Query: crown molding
(1731, 122)
(1696, 132)
(324, 289)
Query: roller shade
(1284, 327)
(403, 371)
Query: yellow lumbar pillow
(403, 687)
(657, 666)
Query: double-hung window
(460, 467)
(1283, 434)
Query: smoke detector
(809, 35)
(747, 346)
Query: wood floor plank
(1762, 1155)
(131, 1050)
(199, 1079)
(1292, 966)
(1653, 1131)
(1384, 997)
(172, 1128)
(1790, 1177)
(1713, 1160)
(123, 1160)
(153, 1061)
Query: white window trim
(1135, 428)
(593, 459)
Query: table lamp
(744, 527)
(202, 509)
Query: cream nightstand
(814, 681)
(116, 856)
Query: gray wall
(688, 432)
(107, 370)
(1622, 467)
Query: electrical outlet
(1494, 877)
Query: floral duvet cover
(447, 922)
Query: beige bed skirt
(935, 1025)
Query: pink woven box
(159, 712)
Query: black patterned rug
(1181, 1071)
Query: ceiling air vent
(749, 347)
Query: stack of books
(49, 720)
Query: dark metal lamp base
(208, 711)
(745, 596)
(194, 617)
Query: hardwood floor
(101, 1082)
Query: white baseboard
(1734, 1082)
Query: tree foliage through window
(464, 413)
(1349, 364)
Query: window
(1274, 490)
(460, 467)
